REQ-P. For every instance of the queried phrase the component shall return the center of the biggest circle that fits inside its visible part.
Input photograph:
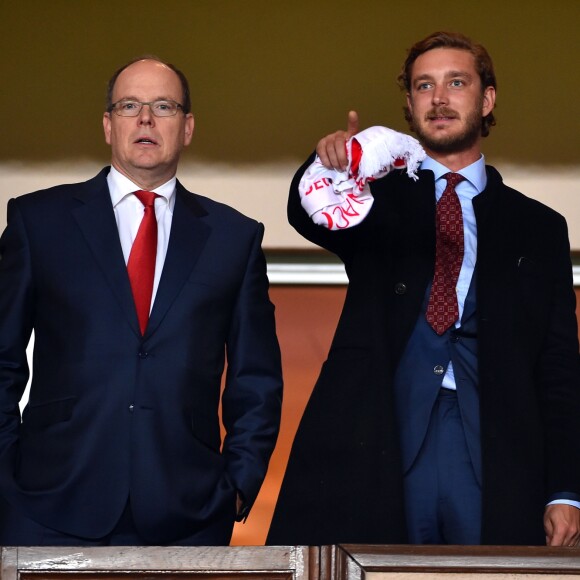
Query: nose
(439, 96)
(146, 117)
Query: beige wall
(261, 190)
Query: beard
(456, 143)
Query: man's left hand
(562, 525)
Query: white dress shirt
(129, 213)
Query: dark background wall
(270, 77)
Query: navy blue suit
(440, 430)
(416, 386)
(113, 414)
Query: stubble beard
(455, 143)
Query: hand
(242, 509)
(332, 150)
(562, 525)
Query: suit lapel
(96, 220)
(189, 234)
(494, 238)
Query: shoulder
(52, 197)
(214, 212)
(526, 207)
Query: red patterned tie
(443, 310)
(141, 265)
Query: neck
(455, 161)
(145, 179)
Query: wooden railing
(347, 562)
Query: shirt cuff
(567, 498)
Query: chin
(448, 143)
(146, 163)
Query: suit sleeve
(16, 320)
(252, 396)
(558, 371)
(339, 242)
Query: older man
(137, 291)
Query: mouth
(145, 141)
(441, 115)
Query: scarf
(342, 199)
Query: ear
(107, 127)
(188, 129)
(409, 102)
(488, 101)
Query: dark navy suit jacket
(113, 414)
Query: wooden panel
(454, 562)
(348, 562)
(276, 563)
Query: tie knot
(453, 179)
(147, 198)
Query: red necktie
(141, 265)
(443, 310)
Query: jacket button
(454, 338)
(438, 370)
(131, 407)
(142, 354)
(400, 288)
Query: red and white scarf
(342, 199)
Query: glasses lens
(158, 108)
(128, 108)
(164, 108)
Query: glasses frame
(142, 104)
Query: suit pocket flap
(206, 430)
(48, 413)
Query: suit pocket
(206, 430)
(528, 267)
(205, 278)
(41, 415)
(533, 277)
(533, 296)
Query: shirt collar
(474, 173)
(121, 186)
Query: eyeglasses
(128, 108)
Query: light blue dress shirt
(473, 184)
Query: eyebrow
(458, 73)
(131, 98)
(448, 75)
